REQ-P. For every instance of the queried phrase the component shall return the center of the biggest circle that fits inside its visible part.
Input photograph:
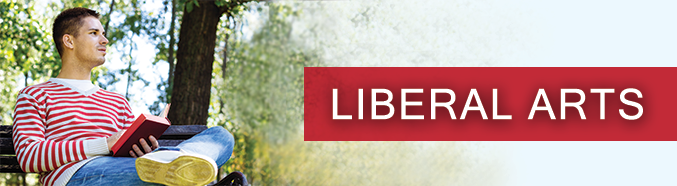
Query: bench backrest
(174, 135)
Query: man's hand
(114, 138)
(136, 152)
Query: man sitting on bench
(65, 127)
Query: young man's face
(90, 44)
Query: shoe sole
(184, 170)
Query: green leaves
(220, 3)
(26, 50)
(262, 92)
(190, 4)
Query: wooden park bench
(174, 135)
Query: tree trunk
(170, 55)
(195, 57)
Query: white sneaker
(176, 168)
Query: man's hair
(68, 22)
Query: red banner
(490, 104)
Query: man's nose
(104, 40)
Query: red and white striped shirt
(56, 127)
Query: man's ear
(67, 41)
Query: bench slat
(6, 131)
(182, 131)
(6, 146)
(9, 164)
(174, 135)
(174, 132)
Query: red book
(144, 126)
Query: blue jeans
(216, 143)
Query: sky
(144, 54)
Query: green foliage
(130, 25)
(18, 179)
(26, 52)
(190, 4)
(264, 78)
(262, 93)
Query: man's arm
(127, 118)
(34, 152)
